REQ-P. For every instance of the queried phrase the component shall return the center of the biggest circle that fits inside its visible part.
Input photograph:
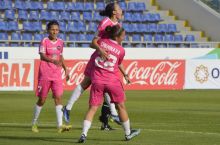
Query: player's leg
(42, 91)
(75, 96)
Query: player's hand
(103, 54)
(127, 79)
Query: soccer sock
(126, 126)
(111, 105)
(75, 95)
(37, 111)
(105, 112)
(86, 126)
(59, 113)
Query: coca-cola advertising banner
(144, 74)
(202, 74)
(16, 75)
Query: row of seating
(69, 6)
(88, 37)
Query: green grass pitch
(189, 117)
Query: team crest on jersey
(58, 47)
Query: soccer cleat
(82, 139)
(106, 127)
(64, 128)
(34, 128)
(134, 132)
(66, 114)
(116, 119)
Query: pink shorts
(88, 68)
(44, 86)
(97, 91)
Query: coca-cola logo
(76, 73)
(163, 73)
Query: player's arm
(64, 67)
(47, 59)
(95, 45)
(121, 68)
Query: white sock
(126, 126)
(86, 126)
(111, 105)
(37, 111)
(74, 97)
(59, 113)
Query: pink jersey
(53, 50)
(103, 24)
(106, 72)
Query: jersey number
(106, 64)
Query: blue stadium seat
(162, 28)
(50, 6)
(27, 26)
(132, 6)
(92, 27)
(54, 15)
(126, 38)
(79, 6)
(172, 28)
(72, 27)
(5, 4)
(10, 14)
(34, 15)
(36, 5)
(13, 26)
(126, 27)
(85, 45)
(62, 26)
(143, 28)
(45, 15)
(158, 37)
(28, 5)
(190, 38)
(87, 16)
(148, 37)
(15, 36)
(81, 37)
(89, 37)
(37, 26)
(70, 6)
(3, 36)
(62, 36)
(100, 6)
(97, 17)
(178, 38)
(152, 28)
(148, 17)
(89, 6)
(134, 28)
(140, 6)
(75, 16)
(3, 26)
(19, 5)
(38, 37)
(157, 17)
(137, 17)
(27, 36)
(22, 15)
(60, 6)
(81, 26)
(169, 38)
(72, 37)
(65, 16)
(136, 37)
(128, 17)
(123, 6)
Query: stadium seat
(148, 17)
(92, 27)
(168, 38)
(81, 37)
(132, 6)
(189, 38)
(85, 45)
(148, 37)
(89, 37)
(28, 5)
(137, 17)
(65, 16)
(75, 16)
(19, 5)
(123, 6)
(157, 17)
(22, 15)
(27, 26)
(128, 17)
(126, 38)
(162, 28)
(37, 26)
(36, 5)
(50, 5)
(136, 37)
(38, 37)
(60, 6)
(79, 6)
(152, 28)
(97, 17)
(10, 14)
(134, 28)
(15, 36)
(178, 38)
(140, 6)
(87, 16)
(100, 6)
(3, 36)
(72, 37)
(172, 28)
(34, 15)
(88, 6)
(5, 4)
(54, 15)
(44, 15)
(13, 26)
(143, 28)
(81, 26)
(70, 6)
(158, 37)
(27, 36)
(72, 27)
(3, 26)
(62, 36)
(62, 26)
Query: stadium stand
(146, 26)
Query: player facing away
(105, 78)
(49, 76)
(113, 14)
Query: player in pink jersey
(49, 76)
(114, 14)
(105, 78)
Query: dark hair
(54, 22)
(108, 10)
(114, 31)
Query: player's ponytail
(108, 10)
(114, 31)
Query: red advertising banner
(144, 74)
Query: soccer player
(105, 78)
(113, 14)
(51, 63)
